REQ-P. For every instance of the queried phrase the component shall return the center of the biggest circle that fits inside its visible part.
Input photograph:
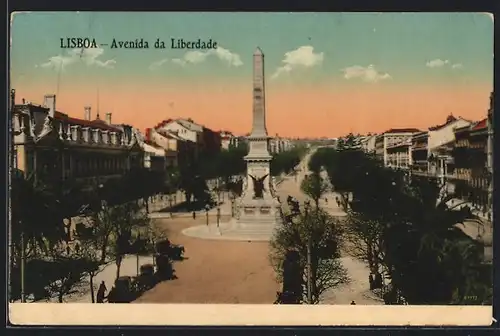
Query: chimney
(50, 102)
(87, 112)
(108, 118)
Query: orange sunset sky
(402, 75)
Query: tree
(435, 256)
(101, 218)
(67, 269)
(285, 162)
(36, 216)
(406, 228)
(364, 240)
(315, 187)
(89, 251)
(172, 180)
(127, 217)
(323, 233)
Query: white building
(185, 129)
(155, 157)
(391, 138)
(440, 144)
(228, 140)
(399, 155)
(368, 143)
(278, 144)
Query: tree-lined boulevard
(353, 232)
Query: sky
(327, 74)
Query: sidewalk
(473, 228)
(475, 210)
(155, 210)
(81, 291)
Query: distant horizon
(327, 74)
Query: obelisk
(258, 140)
(258, 209)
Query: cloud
(89, 56)
(157, 64)
(367, 74)
(301, 57)
(437, 63)
(196, 57)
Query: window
(74, 133)
(86, 136)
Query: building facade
(228, 140)
(368, 143)
(54, 148)
(472, 177)
(278, 145)
(389, 139)
(399, 155)
(178, 150)
(419, 153)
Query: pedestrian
(353, 303)
(101, 292)
(194, 214)
(326, 200)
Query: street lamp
(218, 216)
(207, 208)
(309, 271)
(232, 197)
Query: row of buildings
(54, 147)
(458, 152)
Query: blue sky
(394, 43)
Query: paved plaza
(215, 271)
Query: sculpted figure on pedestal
(258, 186)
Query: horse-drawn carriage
(174, 252)
(167, 252)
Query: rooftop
(480, 125)
(190, 124)
(96, 123)
(402, 130)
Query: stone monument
(258, 208)
(257, 211)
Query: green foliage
(36, 215)
(315, 187)
(225, 163)
(285, 162)
(324, 235)
(405, 229)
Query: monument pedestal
(258, 217)
(258, 209)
